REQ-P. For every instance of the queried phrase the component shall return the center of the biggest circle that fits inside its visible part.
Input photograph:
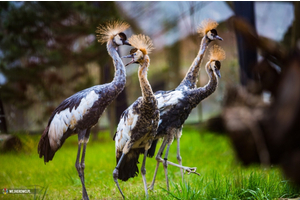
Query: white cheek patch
(138, 55)
(118, 40)
(212, 64)
(68, 119)
(209, 35)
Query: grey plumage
(138, 123)
(175, 107)
(78, 113)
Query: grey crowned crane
(207, 29)
(81, 111)
(138, 123)
(175, 107)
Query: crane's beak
(218, 73)
(219, 38)
(129, 56)
(126, 43)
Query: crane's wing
(127, 122)
(68, 113)
(75, 100)
(166, 100)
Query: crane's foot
(115, 176)
(85, 197)
(84, 194)
(151, 187)
(190, 170)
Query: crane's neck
(144, 83)
(201, 93)
(119, 80)
(191, 77)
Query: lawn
(221, 176)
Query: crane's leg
(179, 159)
(143, 172)
(116, 174)
(78, 165)
(85, 141)
(186, 169)
(165, 164)
(158, 158)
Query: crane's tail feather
(151, 151)
(128, 168)
(44, 148)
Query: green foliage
(221, 176)
(183, 191)
(37, 39)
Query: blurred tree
(173, 56)
(3, 128)
(39, 39)
(296, 26)
(247, 57)
(173, 60)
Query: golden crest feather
(206, 25)
(217, 53)
(109, 30)
(141, 42)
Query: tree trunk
(296, 25)
(173, 60)
(247, 57)
(10, 143)
(3, 127)
(121, 105)
(112, 118)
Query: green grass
(221, 176)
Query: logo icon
(5, 190)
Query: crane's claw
(191, 170)
(150, 187)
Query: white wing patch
(124, 129)
(184, 87)
(68, 119)
(159, 122)
(165, 102)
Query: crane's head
(113, 31)
(142, 47)
(121, 39)
(216, 55)
(207, 28)
(215, 66)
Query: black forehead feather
(133, 50)
(214, 31)
(218, 64)
(123, 36)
